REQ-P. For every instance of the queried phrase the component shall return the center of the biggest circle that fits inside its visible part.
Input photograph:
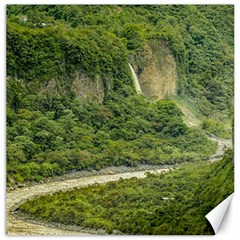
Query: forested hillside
(57, 41)
(71, 102)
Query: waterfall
(135, 80)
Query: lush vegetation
(43, 141)
(52, 129)
(217, 128)
(172, 203)
(56, 40)
(39, 55)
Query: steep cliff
(86, 64)
(173, 49)
(156, 70)
(87, 89)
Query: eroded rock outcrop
(88, 89)
(154, 74)
(156, 71)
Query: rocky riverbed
(20, 225)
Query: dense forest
(173, 203)
(52, 130)
(72, 106)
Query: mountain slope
(71, 102)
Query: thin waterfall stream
(135, 79)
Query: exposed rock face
(49, 87)
(154, 74)
(88, 89)
(158, 72)
(84, 87)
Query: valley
(102, 99)
(18, 226)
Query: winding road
(16, 226)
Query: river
(17, 226)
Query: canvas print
(119, 118)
